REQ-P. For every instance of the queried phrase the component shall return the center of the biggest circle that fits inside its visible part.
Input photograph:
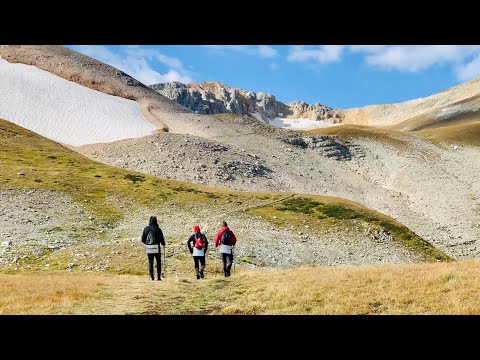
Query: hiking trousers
(158, 257)
(227, 263)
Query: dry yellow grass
(447, 288)
(52, 293)
(468, 133)
(441, 288)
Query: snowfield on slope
(64, 111)
(294, 124)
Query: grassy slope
(444, 117)
(47, 165)
(468, 134)
(315, 210)
(459, 127)
(441, 288)
(385, 135)
(462, 129)
(31, 161)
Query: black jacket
(157, 232)
(192, 239)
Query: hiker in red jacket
(226, 239)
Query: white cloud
(136, 51)
(322, 54)
(368, 48)
(97, 52)
(263, 51)
(415, 58)
(405, 58)
(137, 62)
(266, 51)
(470, 70)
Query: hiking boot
(159, 279)
(198, 277)
(202, 275)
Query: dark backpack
(226, 238)
(150, 238)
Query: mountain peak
(213, 97)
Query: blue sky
(340, 76)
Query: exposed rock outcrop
(218, 98)
(315, 112)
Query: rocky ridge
(217, 98)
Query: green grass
(134, 178)
(317, 212)
(319, 209)
(28, 160)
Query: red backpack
(199, 243)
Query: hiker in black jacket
(152, 237)
(198, 250)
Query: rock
(316, 111)
(7, 243)
(217, 98)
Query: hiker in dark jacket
(198, 245)
(226, 239)
(152, 237)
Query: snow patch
(257, 116)
(294, 124)
(299, 124)
(450, 111)
(65, 111)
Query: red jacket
(219, 236)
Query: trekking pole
(164, 261)
(233, 260)
(216, 264)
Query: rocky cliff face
(217, 98)
(316, 111)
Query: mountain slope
(392, 114)
(458, 123)
(398, 175)
(76, 206)
(163, 113)
(96, 75)
(393, 172)
(65, 111)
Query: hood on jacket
(153, 221)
